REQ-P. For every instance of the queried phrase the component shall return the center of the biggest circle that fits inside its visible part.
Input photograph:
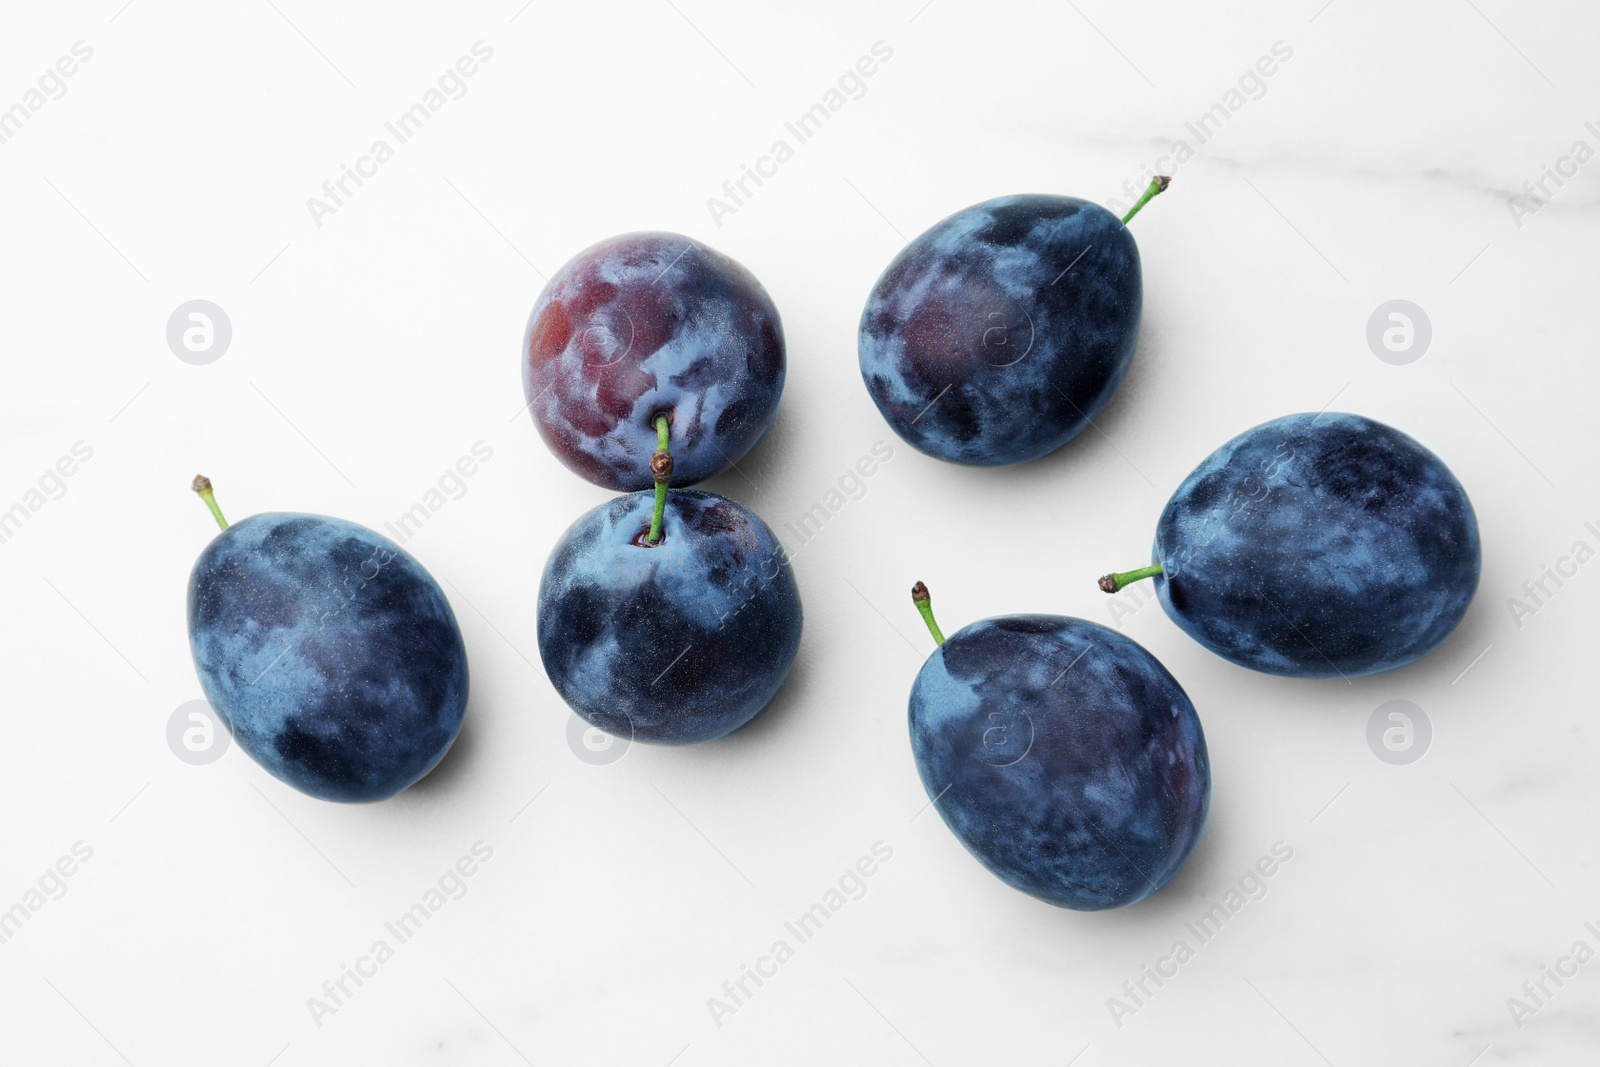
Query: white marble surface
(369, 352)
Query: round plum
(676, 642)
(647, 324)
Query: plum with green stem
(668, 617)
(999, 334)
(1062, 755)
(1318, 545)
(331, 655)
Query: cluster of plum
(665, 616)
(1061, 753)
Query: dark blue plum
(998, 334)
(647, 324)
(1319, 545)
(1063, 756)
(678, 642)
(329, 652)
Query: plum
(1062, 755)
(647, 324)
(997, 335)
(677, 639)
(1316, 545)
(328, 651)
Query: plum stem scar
(919, 597)
(1113, 582)
(661, 471)
(202, 485)
(1157, 185)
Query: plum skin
(645, 324)
(997, 335)
(676, 643)
(329, 652)
(1063, 756)
(1318, 546)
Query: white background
(371, 352)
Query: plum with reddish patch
(647, 324)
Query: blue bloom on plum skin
(996, 336)
(330, 653)
(1063, 756)
(676, 643)
(647, 324)
(1319, 545)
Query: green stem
(661, 470)
(1157, 186)
(202, 485)
(919, 597)
(1119, 580)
